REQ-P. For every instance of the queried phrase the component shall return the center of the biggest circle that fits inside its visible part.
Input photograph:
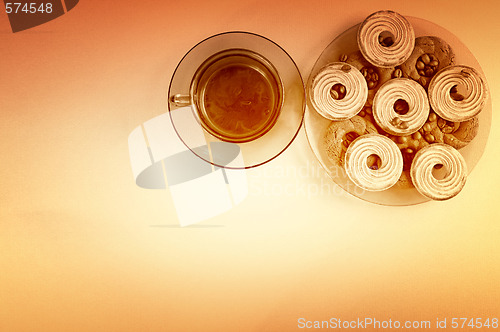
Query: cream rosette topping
(450, 162)
(394, 93)
(339, 91)
(373, 162)
(386, 39)
(457, 93)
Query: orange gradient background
(82, 248)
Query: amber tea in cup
(237, 95)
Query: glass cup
(236, 95)
(240, 88)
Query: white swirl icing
(381, 22)
(373, 179)
(383, 106)
(426, 183)
(457, 110)
(355, 97)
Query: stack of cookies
(414, 93)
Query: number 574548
(27, 7)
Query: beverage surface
(240, 102)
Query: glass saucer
(316, 125)
(188, 119)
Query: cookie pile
(417, 96)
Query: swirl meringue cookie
(373, 162)
(415, 110)
(450, 162)
(338, 91)
(452, 104)
(386, 39)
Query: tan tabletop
(82, 248)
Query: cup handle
(180, 100)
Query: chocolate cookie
(340, 134)
(430, 55)
(374, 76)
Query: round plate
(256, 152)
(316, 125)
